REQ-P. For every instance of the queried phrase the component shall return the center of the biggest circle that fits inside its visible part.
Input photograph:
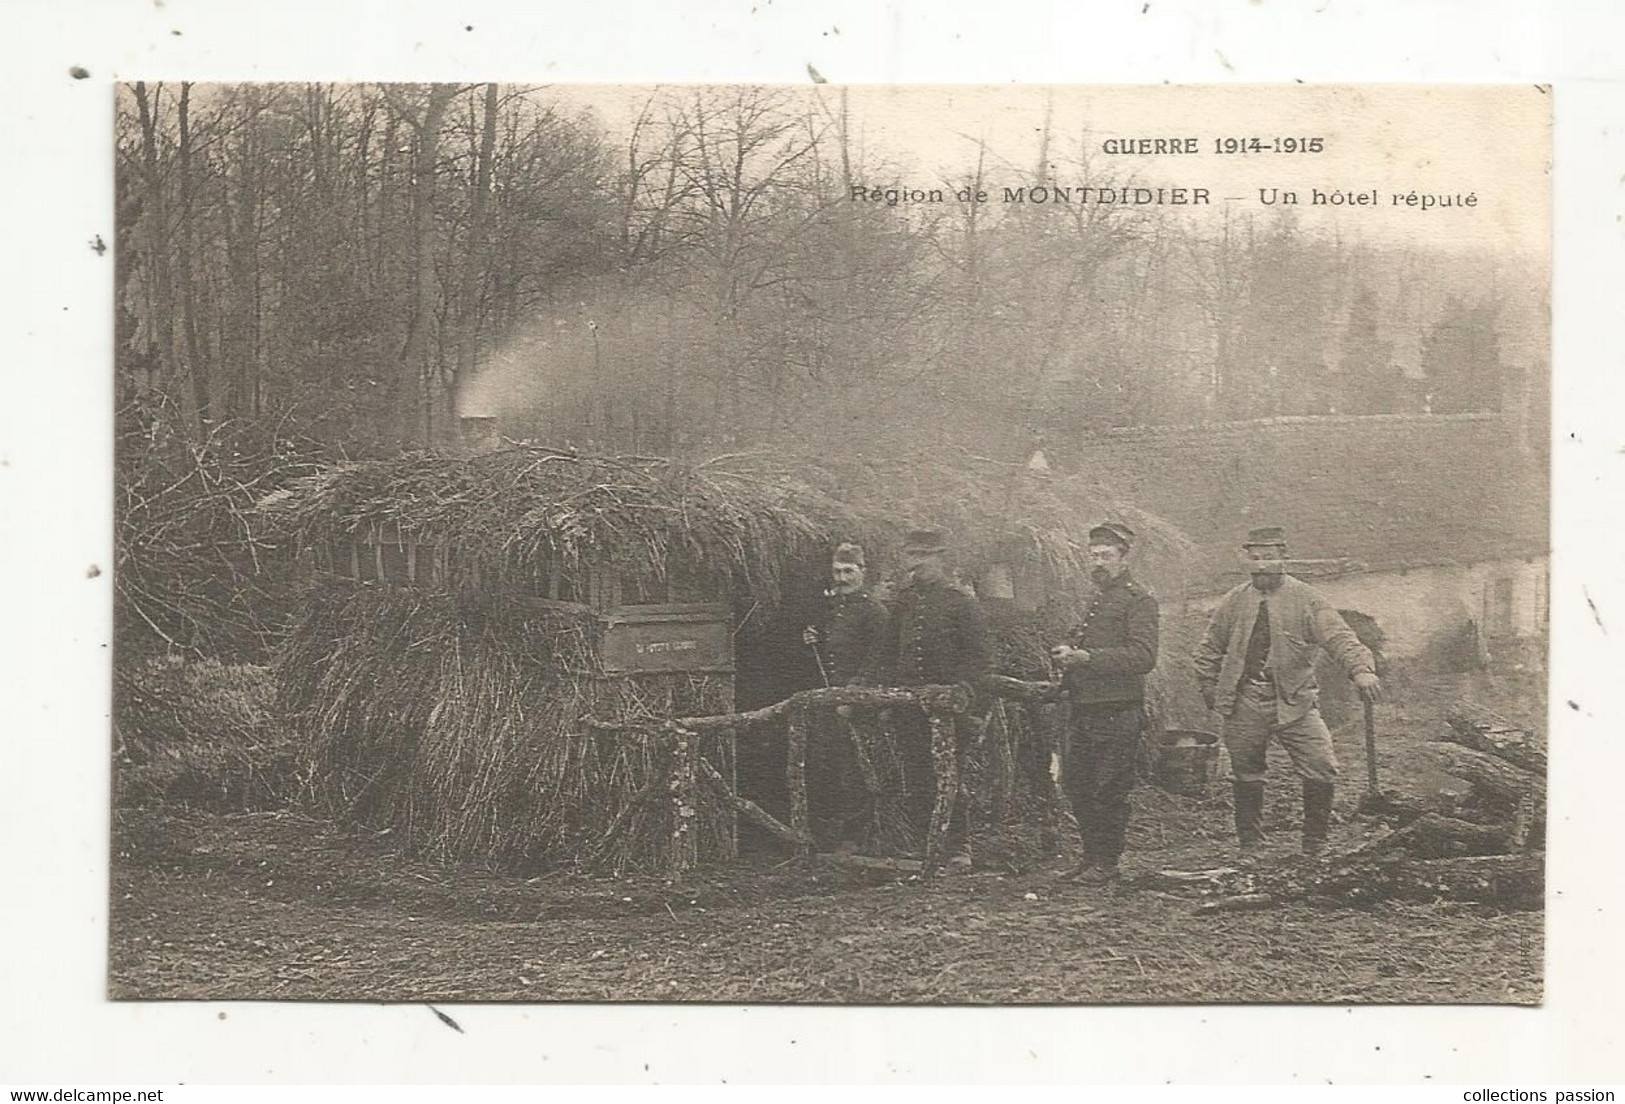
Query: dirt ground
(280, 906)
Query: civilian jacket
(1301, 622)
(935, 637)
(851, 638)
(1119, 630)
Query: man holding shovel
(1256, 667)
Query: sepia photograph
(830, 544)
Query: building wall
(1506, 599)
(1389, 491)
(1422, 610)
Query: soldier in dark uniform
(847, 642)
(1103, 673)
(935, 638)
(848, 638)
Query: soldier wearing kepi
(847, 643)
(1103, 672)
(849, 638)
(1256, 666)
(935, 638)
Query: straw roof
(744, 517)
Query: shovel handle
(1370, 747)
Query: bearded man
(850, 634)
(1103, 672)
(1256, 667)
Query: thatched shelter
(474, 622)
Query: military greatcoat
(935, 637)
(1119, 631)
(852, 637)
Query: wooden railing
(689, 771)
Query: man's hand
(1369, 686)
(809, 636)
(844, 712)
(1065, 655)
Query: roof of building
(1376, 493)
(747, 517)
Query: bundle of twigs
(196, 567)
(201, 733)
(456, 723)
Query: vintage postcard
(831, 544)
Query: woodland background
(315, 271)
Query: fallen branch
(1492, 775)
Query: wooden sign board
(675, 638)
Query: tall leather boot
(1317, 816)
(1249, 805)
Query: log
(685, 809)
(865, 862)
(1398, 808)
(797, 771)
(1027, 693)
(946, 699)
(863, 747)
(1526, 818)
(715, 722)
(943, 699)
(945, 760)
(1481, 729)
(1435, 836)
(752, 811)
(1004, 761)
(1513, 881)
(1219, 879)
(1492, 775)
